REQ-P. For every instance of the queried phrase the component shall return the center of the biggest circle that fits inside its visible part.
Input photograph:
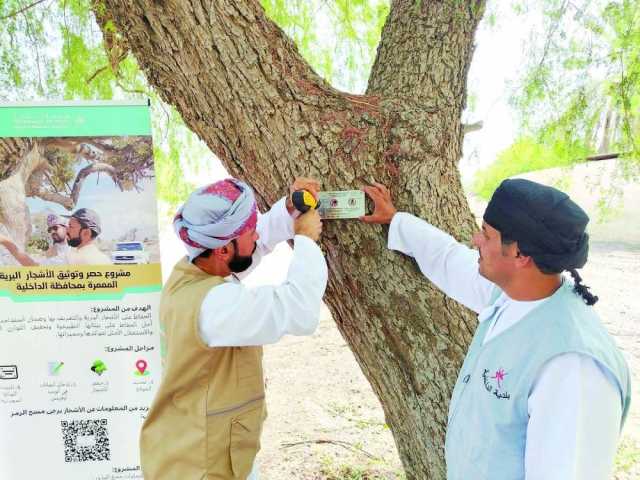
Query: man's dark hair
(205, 254)
(94, 235)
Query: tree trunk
(14, 214)
(241, 85)
(15, 221)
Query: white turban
(214, 215)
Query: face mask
(239, 263)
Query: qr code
(85, 440)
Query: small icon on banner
(98, 367)
(141, 367)
(8, 372)
(55, 368)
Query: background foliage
(578, 93)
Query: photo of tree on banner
(67, 201)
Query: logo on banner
(55, 368)
(8, 372)
(98, 367)
(141, 368)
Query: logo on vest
(493, 383)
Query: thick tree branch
(472, 127)
(217, 47)
(425, 50)
(11, 151)
(65, 201)
(423, 60)
(88, 170)
(32, 162)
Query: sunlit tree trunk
(21, 158)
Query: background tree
(578, 95)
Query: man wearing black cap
(543, 391)
(82, 230)
(84, 227)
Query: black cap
(88, 219)
(546, 223)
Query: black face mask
(240, 263)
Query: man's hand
(302, 183)
(309, 225)
(21, 257)
(384, 209)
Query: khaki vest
(206, 419)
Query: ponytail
(582, 290)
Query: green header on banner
(74, 119)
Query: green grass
(331, 470)
(352, 414)
(627, 459)
(626, 466)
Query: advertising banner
(80, 285)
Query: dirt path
(317, 394)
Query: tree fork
(241, 85)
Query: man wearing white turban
(57, 229)
(206, 419)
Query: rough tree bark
(241, 85)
